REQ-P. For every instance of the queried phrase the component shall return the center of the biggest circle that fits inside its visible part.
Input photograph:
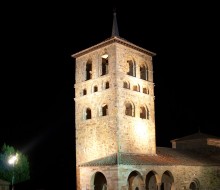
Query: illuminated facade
(115, 122)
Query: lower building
(191, 164)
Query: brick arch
(95, 88)
(88, 69)
(167, 181)
(131, 67)
(129, 108)
(87, 113)
(135, 180)
(98, 181)
(194, 184)
(126, 84)
(105, 84)
(104, 109)
(145, 90)
(151, 181)
(104, 63)
(144, 111)
(136, 87)
(144, 71)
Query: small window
(88, 70)
(95, 89)
(142, 112)
(104, 64)
(126, 85)
(136, 88)
(132, 68)
(88, 113)
(106, 85)
(84, 92)
(129, 110)
(104, 110)
(145, 90)
(143, 72)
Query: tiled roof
(194, 136)
(164, 156)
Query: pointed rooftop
(115, 31)
(115, 38)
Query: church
(115, 126)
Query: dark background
(37, 71)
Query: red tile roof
(164, 156)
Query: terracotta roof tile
(164, 156)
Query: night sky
(37, 71)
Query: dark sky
(37, 41)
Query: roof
(113, 39)
(164, 156)
(195, 136)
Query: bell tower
(114, 101)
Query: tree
(20, 170)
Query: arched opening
(143, 72)
(151, 181)
(194, 185)
(145, 90)
(89, 70)
(167, 181)
(100, 182)
(104, 110)
(126, 85)
(136, 88)
(142, 112)
(129, 109)
(106, 85)
(84, 92)
(132, 68)
(135, 181)
(104, 64)
(95, 89)
(88, 113)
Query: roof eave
(113, 39)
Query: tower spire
(115, 25)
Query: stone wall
(117, 178)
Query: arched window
(95, 89)
(136, 88)
(106, 85)
(194, 185)
(145, 90)
(132, 68)
(129, 109)
(88, 113)
(142, 112)
(100, 182)
(104, 64)
(126, 85)
(89, 70)
(143, 72)
(104, 110)
(84, 92)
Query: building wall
(104, 135)
(136, 135)
(118, 177)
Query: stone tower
(114, 104)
